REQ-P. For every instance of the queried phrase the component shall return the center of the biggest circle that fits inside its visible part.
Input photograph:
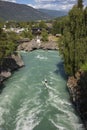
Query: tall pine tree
(74, 48)
(80, 4)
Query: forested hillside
(54, 13)
(20, 12)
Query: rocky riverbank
(34, 44)
(15, 61)
(78, 91)
(10, 64)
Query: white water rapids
(26, 103)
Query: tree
(85, 19)
(42, 25)
(27, 34)
(44, 35)
(59, 25)
(7, 45)
(73, 45)
(80, 4)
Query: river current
(27, 103)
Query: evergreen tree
(73, 45)
(59, 25)
(80, 4)
(44, 35)
(42, 24)
(85, 19)
(7, 45)
(27, 34)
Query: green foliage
(80, 4)
(85, 20)
(84, 67)
(59, 25)
(42, 24)
(12, 36)
(11, 24)
(73, 44)
(44, 35)
(27, 34)
(7, 44)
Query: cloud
(10, 0)
(34, 6)
(56, 4)
(51, 4)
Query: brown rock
(18, 60)
(78, 91)
(5, 74)
(33, 44)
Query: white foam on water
(69, 115)
(27, 116)
(34, 107)
(57, 125)
(28, 119)
(41, 57)
(65, 122)
(58, 101)
(48, 86)
(2, 110)
(65, 111)
(54, 78)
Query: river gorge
(26, 103)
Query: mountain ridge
(20, 12)
(54, 13)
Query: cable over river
(28, 103)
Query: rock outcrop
(32, 45)
(10, 64)
(78, 91)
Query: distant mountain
(20, 12)
(53, 13)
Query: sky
(49, 4)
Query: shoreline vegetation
(72, 44)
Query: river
(27, 103)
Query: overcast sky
(49, 4)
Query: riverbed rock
(78, 91)
(18, 60)
(33, 44)
(9, 65)
(5, 74)
(49, 45)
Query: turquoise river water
(27, 103)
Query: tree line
(73, 44)
(8, 39)
(7, 44)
